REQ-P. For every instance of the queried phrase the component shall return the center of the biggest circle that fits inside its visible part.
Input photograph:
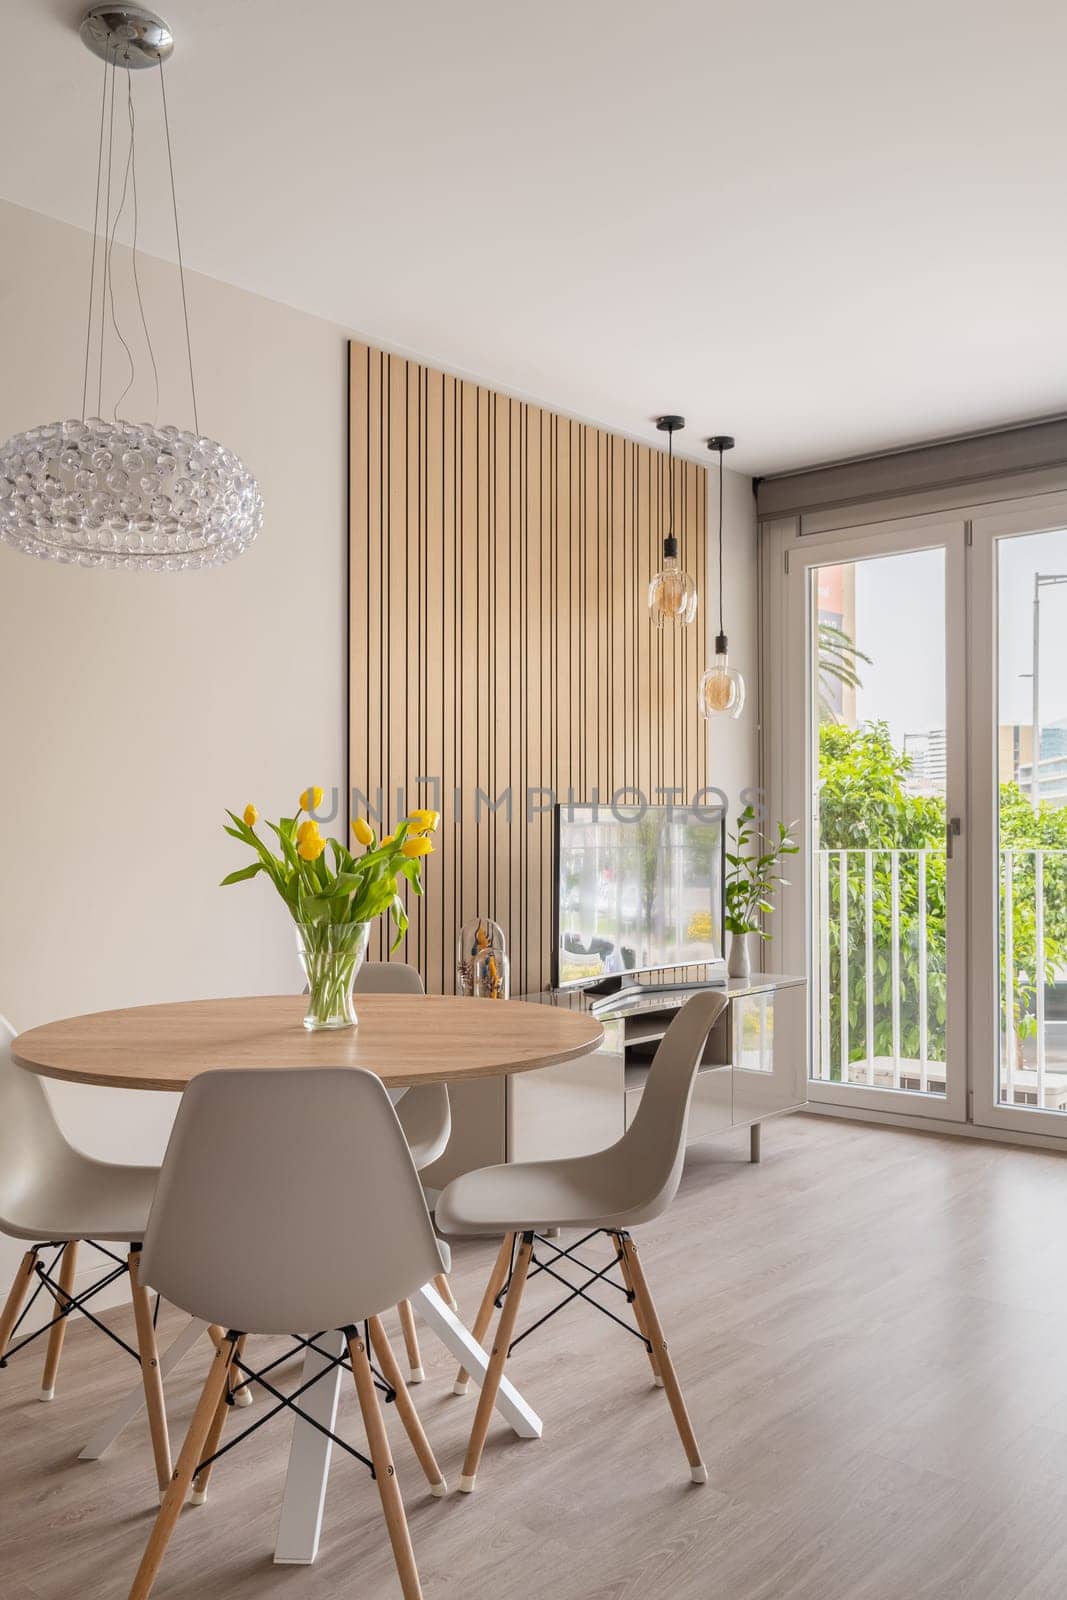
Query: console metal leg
(755, 1153)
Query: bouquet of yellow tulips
(333, 896)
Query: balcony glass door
(876, 736)
(1019, 780)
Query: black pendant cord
(670, 485)
(722, 634)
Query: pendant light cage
(98, 492)
(672, 594)
(722, 688)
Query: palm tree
(837, 658)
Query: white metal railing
(1036, 1085)
(858, 940)
(835, 869)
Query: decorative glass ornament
(475, 938)
(125, 494)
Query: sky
(900, 624)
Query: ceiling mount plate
(128, 35)
(721, 441)
(670, 424)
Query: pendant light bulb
(722, 688)
(672, 594)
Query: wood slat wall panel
(500, 640)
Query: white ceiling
(826, 228)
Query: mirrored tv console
(754, 1068)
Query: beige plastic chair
(609, 1192)
(52, 1195)
(288, 1202)
(426, 1118)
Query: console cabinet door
(569, 1110)
(711, 1108)
(768, 1052)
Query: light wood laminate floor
(871, 1329)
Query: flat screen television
(637, 890)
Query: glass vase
(476, 937)
(331, 955)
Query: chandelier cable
(96, 235)
(178, 241)
(111, 285)
(670, 486)
(107, 230)
(136, 273)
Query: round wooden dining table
(407, 1040)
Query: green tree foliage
(863, 805)
(837, 658)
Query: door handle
(953, 829)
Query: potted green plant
(752, 876)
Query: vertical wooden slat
(436, 963)
(469, 645)
(499, 658)
(500, 635)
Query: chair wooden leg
(444, 1289)
(16, 1298)
(411, 1342)
(214, 1433)
(384, 1471)
(485, 1310)
(405, 1407)
(151, 1376)
(697, 1470)
(495, 1371)
(188, 1461)
(243, 1393)
(639, 1315)
(68, 1263)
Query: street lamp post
(1042, 580)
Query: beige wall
(133, 707)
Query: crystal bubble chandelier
(113, 493)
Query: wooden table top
(405, 1039)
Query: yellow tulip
(425, 821)
(251, 816)
(311, 848)
(307, 830)
(363, 831)
(311, 799)
(418, 846)
(388, 839)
